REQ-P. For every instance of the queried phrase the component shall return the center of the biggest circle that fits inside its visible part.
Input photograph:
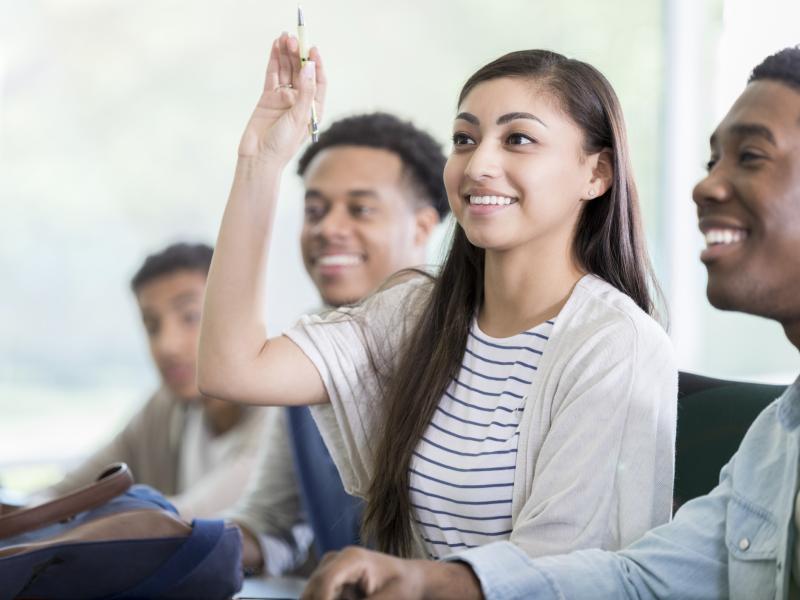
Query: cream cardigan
(595, 461)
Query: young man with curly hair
(373, 196)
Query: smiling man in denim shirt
(741, 540)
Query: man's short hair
(422, 158)
(177, 257)
(783, 66)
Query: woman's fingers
(306, 87)
(321, 80)
(293, 49)
(273, 66)
(281, 120)
(285, 72)
(314, 55)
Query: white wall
(711, 51)
(118, 130)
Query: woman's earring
(591, 193)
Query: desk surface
(273, 588)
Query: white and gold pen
(313, 126)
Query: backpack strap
(205, 536)
(113, 481)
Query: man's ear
(602, 174)
(426, 219)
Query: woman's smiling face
(517, 172)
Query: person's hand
(279, 123)
(356, 573)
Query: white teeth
(724, 236)
(499, 200)
(339, 260)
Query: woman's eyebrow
(508, 117)
(501, 120)
(468, 117)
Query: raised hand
(279, 123)
(237, 360)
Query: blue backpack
(133, 545)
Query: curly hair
(422, 157)
(783, 66)
(176, 257)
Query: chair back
(334, 515)
(713, 416)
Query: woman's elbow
(210, 387)
(214, 380)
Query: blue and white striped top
(462, 472)
(612, 366)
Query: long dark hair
(608, 243)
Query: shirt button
(744, 544)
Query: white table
(273, 588)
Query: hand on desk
(358, 573)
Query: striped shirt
(604, 389)
(462, 472)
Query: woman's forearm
(233, 359)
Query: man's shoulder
(391, 310)
(158, 408)
(403, 290)
(162, 399)
(768, 434)
(767, 455)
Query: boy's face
(362, 222)
(171, 306)
(748, 205)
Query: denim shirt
(736, 542)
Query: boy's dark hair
(423, 160)
(177, 257)
(783, 66)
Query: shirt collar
(789, 406)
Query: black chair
(713, 416)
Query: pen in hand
(313, 125)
